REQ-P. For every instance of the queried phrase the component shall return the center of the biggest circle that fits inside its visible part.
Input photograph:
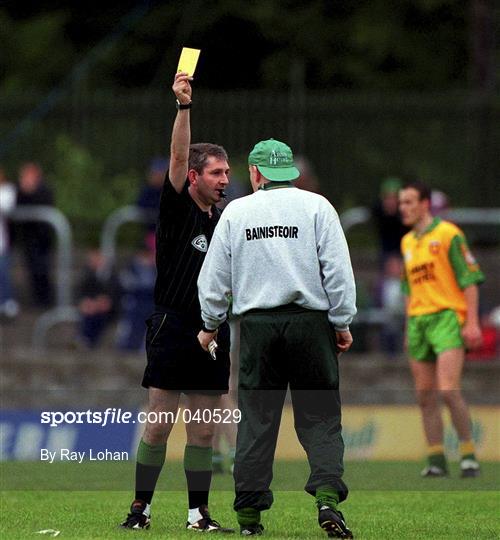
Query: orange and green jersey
(437, 267)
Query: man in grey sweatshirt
(280, 254)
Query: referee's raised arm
(181, 132)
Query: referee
(282, 254)
(197, 177)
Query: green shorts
(430, 335)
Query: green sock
(217, 462)
(198, 469)
(469, 456)
(438, 460)
(326, 495)
(248, 516)
(197, 458)
(152, 455)
(150, 460)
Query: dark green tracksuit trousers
(280, 347)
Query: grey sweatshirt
(277, 247)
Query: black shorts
(175, 359)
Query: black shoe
(139, 517)
(252, 530)
(470, 468)
(433, 471)
(332, 521)
(207, 524)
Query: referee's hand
(205, 338)
(181, 87)
(344, 341)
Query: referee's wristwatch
(181, 106)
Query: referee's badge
(200, 243)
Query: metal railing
(109, 234)
(64, 238)
(65, 311)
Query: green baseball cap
(274, 160)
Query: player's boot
(252, 530)
(433, 471)
(469, 468)
(206, 523)
(139, 516)
(333, 523)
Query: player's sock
(467, 450)
(217, 462)
(327, 496)
(436, 457)
(231, 454)
(150, 460)
(198, 469)
(194, 515)
(248, 516)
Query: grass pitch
(387, 501)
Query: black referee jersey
(183, 233)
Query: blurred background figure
(390, 298)
(36, 236)
(385, 213)
(9, 307)
(149, 196)
(96, 300)
(490, 330)
(137, 283)
(224, 441)
(307, 179)
(439, 203)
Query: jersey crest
(434, 246)
(200, 243)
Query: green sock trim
(198, 458)
(327, 495)
(438, 460)
(248, 516)
(469, 456)
(152, 455)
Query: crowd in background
(124, 296)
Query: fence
(64, 311)
(353, 140)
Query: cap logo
(277, 158)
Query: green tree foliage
(85, 194)
(367, 44)
(35, 52)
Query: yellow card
(188, 60)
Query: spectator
(36, 236)
(390, 298)
(439, 203)
(490, 330)
(9, 307)
(96, 301)
(385, 212)
(307, 179)
(137, 282)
